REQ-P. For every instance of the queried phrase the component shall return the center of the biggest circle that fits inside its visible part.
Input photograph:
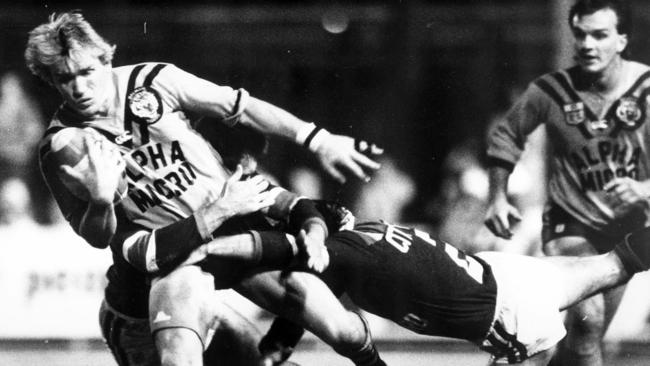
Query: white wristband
(311, 136)
(304, 132)
(318, 139)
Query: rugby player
(597, 122)
(507, 304)
(176, 195)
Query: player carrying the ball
(179, 192)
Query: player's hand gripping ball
(69, 147)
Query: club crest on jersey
(629, 112)
(145, 104)
(574, 113)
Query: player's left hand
(340, 155)
(312, 247)
(628, 191)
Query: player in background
(507, 304)
(596, 117)
(176, 194)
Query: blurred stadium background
(424, 79)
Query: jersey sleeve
(507, 137)
(184, 91)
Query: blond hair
(61, 38)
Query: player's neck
(609, 80)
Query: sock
(367, 354)
(634, 251)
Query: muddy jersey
(171, 169)
(588, 147)
(404, 275)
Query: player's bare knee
(588, 320)
(296, 284)
(344, 334)
(179, 346)
(355, 333)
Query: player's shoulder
(556, 77)
(638, 68)
(639, 74)
(552, 85)
(141, 69)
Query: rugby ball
(68, 147)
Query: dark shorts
(558, 223)
(129, 339)
(132, 344)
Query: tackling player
(507, 304)
(597, 121)
(176, 193)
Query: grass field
(310, 353)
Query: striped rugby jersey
(589, 143)
(171, 169)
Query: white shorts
(527, 315)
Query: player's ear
(621, 43)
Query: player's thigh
(184, 299)
(129, 339)
(306, 300)
(289, 294)
(577, 246)
(528, 315)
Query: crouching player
(509, 305)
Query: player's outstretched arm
(165, 248)
(273, 249)
(339, 155)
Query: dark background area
(417, 77)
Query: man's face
(597, 42)
(84, 82)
